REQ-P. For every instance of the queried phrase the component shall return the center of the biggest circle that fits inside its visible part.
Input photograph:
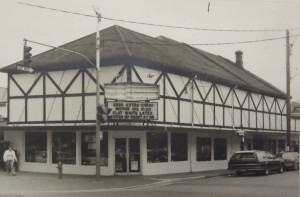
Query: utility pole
(288, 91)
(98, 131)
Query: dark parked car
(290, 160)
(255, 161)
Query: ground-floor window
(64, 147)
(88, 149)
(36, 147)
(248, 144)
(179, 147)
(157, 147)
(220, 149)
(203, 149)
(281, 145)
(272, 146)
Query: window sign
(133, 110)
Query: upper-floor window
(296, 109)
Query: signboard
(133, 110)
(25, 69)
(131, 91)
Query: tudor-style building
(204, 98)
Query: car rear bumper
(246, 168)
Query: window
(281, 145)
(220, 149)
(272, 146)
(157, 147)
(179, 147)
(296, 109)
(36, 147)
(88, 149)
(64, 147)
(203, 149)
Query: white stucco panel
(245, 118)
(185, 112)
(17, 110)
(252, 119)
(35, 109)
(13, 89)
(219, 115)
(171, 110)
(146, 74)
(60, 79)
(228, 117)
(90, 108)
(282, 105)
(107, 74)
(73, 108)
(25, 80)
(269, 101)
(224, 91)
(38, 88)
(241, 96)
(209, 115)
(198, 113)
(256, 100)
(53, 109)
(179, 83)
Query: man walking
(10, 158)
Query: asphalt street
(274, 185)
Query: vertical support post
(98, 134)
(192, 102)
(288, 91)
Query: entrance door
(127, 155)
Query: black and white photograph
(121, 98)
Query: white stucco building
(204, 98)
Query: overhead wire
(161, 25)
(202, 44)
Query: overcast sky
(265, 59)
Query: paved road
(274, 185)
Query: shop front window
(36, 147)
(272, 146)
(64, 147)
(281, 145)
(203, 149)
(88, 149)
(179, 147)
(220, 149)
(157, 147)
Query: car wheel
(266, 171)
(239, 173)
(280, 169)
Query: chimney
(239, 59)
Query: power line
(201, 44)
(161, 25)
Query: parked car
(290, 160)
(255, 161)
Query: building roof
(123, 46)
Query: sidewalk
(25, 182)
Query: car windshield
(244, 156)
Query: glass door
(127, 155)
(134, 154)
(120, 155)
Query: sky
(265, 59)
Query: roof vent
(239, 59)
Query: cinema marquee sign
(122, 110)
